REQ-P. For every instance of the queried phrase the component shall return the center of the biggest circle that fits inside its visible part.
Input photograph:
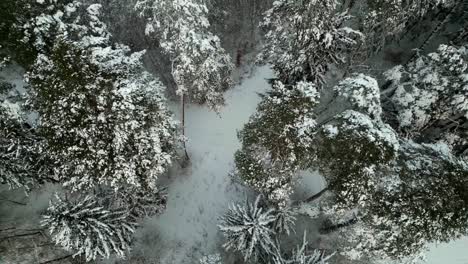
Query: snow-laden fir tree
(303, 38)
(431, 97)
(249, 230)
(84, 227)
(277, 140)
(200, 66)
(104, 119)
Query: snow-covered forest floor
(200, 193)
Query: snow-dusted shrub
(249, 229)
(86, 228)
(142, 203)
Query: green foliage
(351, 151)
(104, 122)
(277, 139)
(427, 200)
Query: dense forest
(356, 150)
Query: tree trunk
(57, 259)
(313, 197)
(333, 228)
(439, 26)
(187, 158)
(316, 196)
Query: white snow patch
(198, 198)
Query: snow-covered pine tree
(384, 19)
(431, 97)
(249, 229)
(395, 185)
(277, 140)
(103, 118)
(15, 166)
(352, 149)
(86, 228)
(200, 66)
(424, 200)
(303, 38)
(371, 171)
(30, 27)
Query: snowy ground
(201, 193)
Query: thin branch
(312, 198)
(316, 196)
(57, 259)
(12, 201)
(22, 235)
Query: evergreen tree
(277, 140)
(285, 220)
(422, 201)
(249, 230)
(104, 119)
(22, 163)
(28, 28)
(200, 66)
(141, 203)
(430, 97)
(86, 228)
(373, 172)
(388, 19)
(303, 38)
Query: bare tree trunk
(313, 197)
(182, 101)
(439, 26)
(316, 196)
(333, 228)
(57, 259)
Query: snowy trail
(199, 195)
